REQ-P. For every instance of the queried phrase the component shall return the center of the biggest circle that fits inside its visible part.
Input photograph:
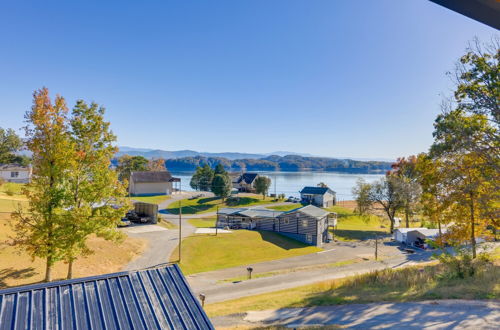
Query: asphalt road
(441, 314)
(291, 275)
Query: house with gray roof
(156, 298)
(307, 224)
(149, 183)
(319, 196)
(245, 182)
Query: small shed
(147, 209)
(157, 298)
(400, 234)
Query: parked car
(124, 222)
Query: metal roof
(316, 190)
(485, 11)
(147, 299)
(260, 212)
(151, 176)
(310, 210)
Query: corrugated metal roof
(311, 210)
(151, 176)
(147, 299)
(316, 190)
(257, 212)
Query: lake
(290, 183)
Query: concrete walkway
(439, 314)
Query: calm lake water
(290, 183)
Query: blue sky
(332, 78)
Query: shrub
(461, 264)
(9, 189)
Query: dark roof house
(316, 190)
(147, 299)
(319, 196)
(247, 178)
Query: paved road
(210, 283)
(441, 314)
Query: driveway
(440, 314)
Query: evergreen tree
(221, 186)
(262, 184)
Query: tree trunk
(472, 226)
(48, 270)
(70, 269)
(407, 218)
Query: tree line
(455, 183)
(278, 163)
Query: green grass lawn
(201, 253)
(203, 222)
(204, 205)
(407, 284)
(156, 199)
(285, 208)
(352, 227)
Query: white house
(15, 173)
(148, 183)
(319, 196)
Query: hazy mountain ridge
(157, 153)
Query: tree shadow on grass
(283, 242)
(17, 274)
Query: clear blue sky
(332, 78)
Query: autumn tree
(262, 184)
(157, 164)
(39, 230)
(385, 193)
(95, 199)
(431, 176)
(408, 187)
(128, 164)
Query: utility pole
(180, 230)
(275, 196)
(216, 220)
(376, 247)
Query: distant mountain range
(189, 160)
(157, 153)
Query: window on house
(304, 223)
(286, 221)
(309, 238)
(14, 174)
